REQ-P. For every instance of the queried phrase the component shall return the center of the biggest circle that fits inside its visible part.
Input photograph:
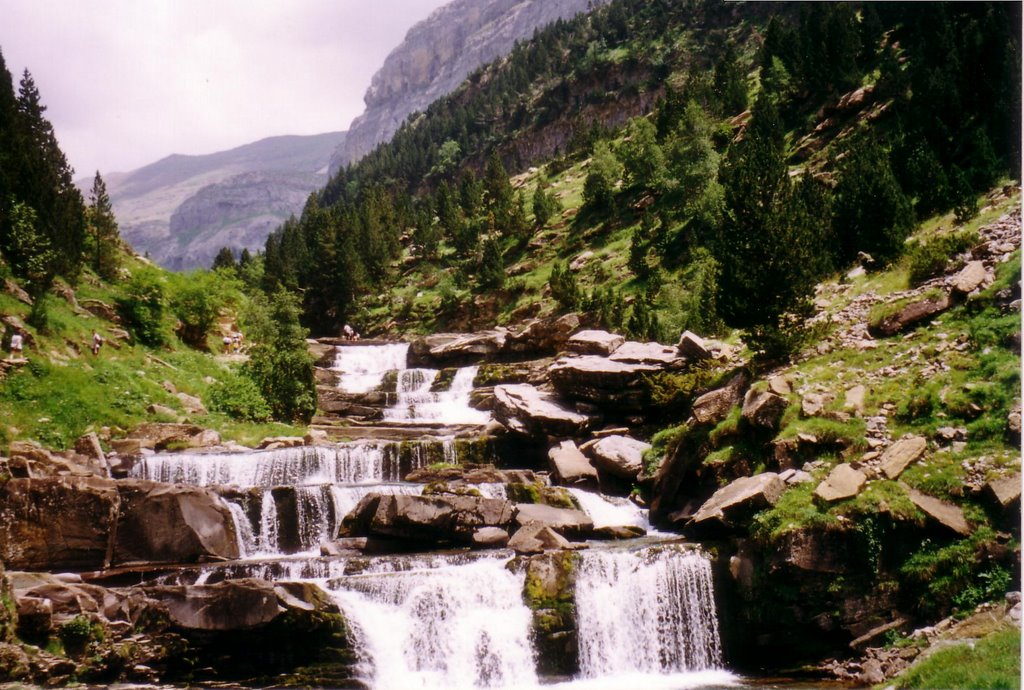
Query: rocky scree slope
(436, 56)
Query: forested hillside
(664, 137)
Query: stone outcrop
(602, 381)
(970, 278)
(161, 523)
(63, 523)
(621, 456)
(550, 592)
(528, 411)
(542, 337)
(647, 354)
(570, 467)
(592, 342)
(159, 436)
(455, 349)
(714, 406)
(842, 482)
(732, 505)
(436, 56)
(692, 346)
(437, 519)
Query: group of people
(232, 343)
(16, 347)
(349, 333)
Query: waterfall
(347, 497)
(416, 402)
(453, 626)
(268, 524)
(243, 530)
(610, 511)
(362, 368)
(648, 612)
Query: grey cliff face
(437, 55)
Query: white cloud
(127, 82)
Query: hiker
(236, 342)
(17, 343)
(227, 344)
(347, 333)
(97, 341)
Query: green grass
(993, 662)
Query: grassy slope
(993, 662)
(64, 391)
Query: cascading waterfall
(243, 529)
(452, 626)
(362, 368)
(268, 524)
(646, 612)
(347, 497)
(610, 511)
(416, 402)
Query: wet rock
(60, 523)
(528, 411)
(570, 467)
(899, 455)
(732, 505)
(162, 523)
(345, 546)
(542, 336)
(537, 538)
(272, 442)
(945, 514)
(910, 316)
(489, 538)
(842, 482)
(592, 342)
(621, 456)
(427, 518)
(574, 524)
(763, 410)
(616, 532)
(714, 406)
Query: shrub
(239, 397)
(197, 305)
(142, 308)
(929, 259)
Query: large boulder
(692, 347)
(62, 523)
(621, 456)
(763, 409)
(732, 506)
(29, 460)
(530, 412)
(456, 349)
(570, 467)
(949, 516)
(910, 316)
(844, 481)
(592, 342)
(550, 593)
(649, 354)
(574, 524)
(542, 337)
(603, 381)
(537, 538)
(714, 406)
(970, 278)
(900, 454)
(169, 523)
(438, 519)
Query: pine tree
(602, 175)
(225, 260)
(730, 82)
(545, 205)
(642, 157)
(491, 271)
(103, 230)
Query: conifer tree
(103, 230)
(545, 205)
(225, 259)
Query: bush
(197, 305)
(239, 397)
(929, 259)
(142, 308)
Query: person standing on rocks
(17, 344)
(97, 342)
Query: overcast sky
(127, 82)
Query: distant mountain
(182, 209)
(437, 55)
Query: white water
(646, 612)
(610, 511)
(447, 628)
(416, 402)
(347, 497)
(362, 367)
(243, 530)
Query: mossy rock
(554, 496)
(389, 382)
(443, 380)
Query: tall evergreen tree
(103, 230)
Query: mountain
(437, 55)
(182, 209)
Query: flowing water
(645, 613)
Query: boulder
(813, 404)
(542, 337)
(779, 385)
(570, 467)
(35, 618)
(101, 310)
(763, 409)
(854, 400)
(592, 342)
(616, 532)
(315, 437)
(692, 347)
(157, 435)
(714, 406)
(603, 381)
(537, 538)
(568, 523)
(941, 512)
(900, 454)
(89, 446)
(842, 482)
(732, 505)
(191, 403)
(970, 278)
(526, 410)
(158, 410)
(1004, 492)
(28, 459)
(15, 291)
(428, 518)
(451, 349)
(169, 523)
(621, 456)
(648, 354)
(489, 538)
(910, 316)
(62, 523)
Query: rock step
(397, 432)
(356, 343)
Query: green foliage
(563, 286)
(730, 83)
(602, 176)
(672, 392)
(279, 362)
(238, 396)
(142, 307)
(225, 260)
(926, 260)
(643, 161)
(943, 574)
(102, 230)
(197, 304)
(491, 270)
(76, 633)
(993, 663)
(545, 205)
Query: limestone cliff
(437, 55)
